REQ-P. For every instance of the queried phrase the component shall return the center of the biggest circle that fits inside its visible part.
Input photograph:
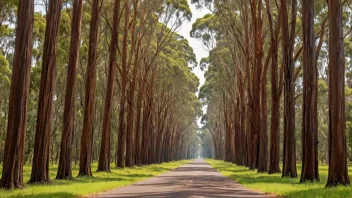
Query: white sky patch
(194, 43)
(197, 45)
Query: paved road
(196, 179)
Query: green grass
(89, 185)
(274, 184)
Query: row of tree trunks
(159, 131)
(246, 127)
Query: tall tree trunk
(263, 135)
(257, 70)
(249, 120)
(289, 157)
(338, 172)
(243, 153)
(135, 45)
(12, 172)
(40, 167)
(261, 91)
(88, 120)
(274, 163)
(105, 148)
(310, 97)
(121, 157)
(65, 164)
(138, 141)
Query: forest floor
(84, 186)
(287, 187)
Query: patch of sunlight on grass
(89, 185)
(274, 184)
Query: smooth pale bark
(12, 172)
(338, 172)
(65, 161)
(310, 96)
(40, 165)
(88, 120)
(289, 155)
(105, 147)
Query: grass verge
(287, 187)
(88, 185)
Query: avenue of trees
(83, 81)
(278, 85)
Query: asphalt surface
(196, 179)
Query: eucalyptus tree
(310, 97)
(288, 41)
(105, 148)
(89, 101)
(12, 172)
(338, 172)
(274, 161)
(121, 150)
(256, 12)
(65, 162)
(40, 165)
